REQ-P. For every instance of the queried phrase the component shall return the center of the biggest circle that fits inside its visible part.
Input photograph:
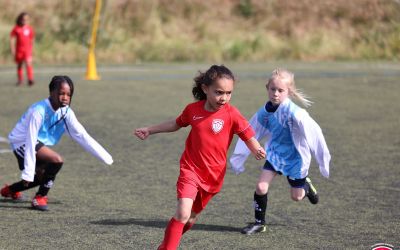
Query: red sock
(29, 69)
(20, 73)
(172, 236)
(187, 227)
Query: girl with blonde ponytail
(292, 136)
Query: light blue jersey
(48, 124)
(281, 151)
(42, 123)
(292, 136)
(53, 126)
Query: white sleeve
(79, 134)
(242, 152)
(316, 141)
(34, 123)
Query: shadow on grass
(23, 204)
(17, 207)
(162, 224)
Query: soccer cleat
(312, 192)
(31, 82)
(40, 203)
(254, 228)
(16, 196)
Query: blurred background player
(40, 127)
(21, 43)
(203, 163)
(292, 136)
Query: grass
(127, 205)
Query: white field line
(3, 139)
(3, 151)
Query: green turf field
(127, 205)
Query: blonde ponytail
(302, 98)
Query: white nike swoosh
(197, 117)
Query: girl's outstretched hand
(260, 154)
(142, 133)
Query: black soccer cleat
(312, 192)
(254, 228)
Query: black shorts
(294, 183)
(19, 153)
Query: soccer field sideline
(259, 69)
(75, 69)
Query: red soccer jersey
(204, 158)
(24, 36)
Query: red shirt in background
(24, 41)
(204, 158)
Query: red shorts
(187, 188)
(22, 56)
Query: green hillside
(213, 30)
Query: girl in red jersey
(203, 163)
(21, 43)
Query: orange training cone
(91, 71)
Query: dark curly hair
(208, 78)
(20, 18)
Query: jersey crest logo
(26, 32)
(217, 125)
